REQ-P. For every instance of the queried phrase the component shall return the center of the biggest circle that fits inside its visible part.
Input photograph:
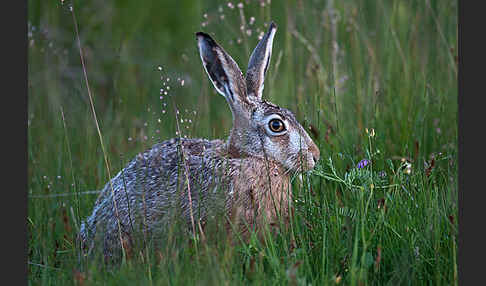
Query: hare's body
(154, 184)
(246, 178)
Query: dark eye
(276, 125)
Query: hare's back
(164, 158)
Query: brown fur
(245, 178)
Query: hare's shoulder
(256, 172)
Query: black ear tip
(273, 25)
(201, 35)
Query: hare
(245, 178)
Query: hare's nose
(316, 154)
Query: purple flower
(363, 163)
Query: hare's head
(260, 128)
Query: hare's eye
(276, 125)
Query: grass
(376, 80)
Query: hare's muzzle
(316, 154)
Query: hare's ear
(223, 72)
(258, 64)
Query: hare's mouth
(307, 165)
(300, 162)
